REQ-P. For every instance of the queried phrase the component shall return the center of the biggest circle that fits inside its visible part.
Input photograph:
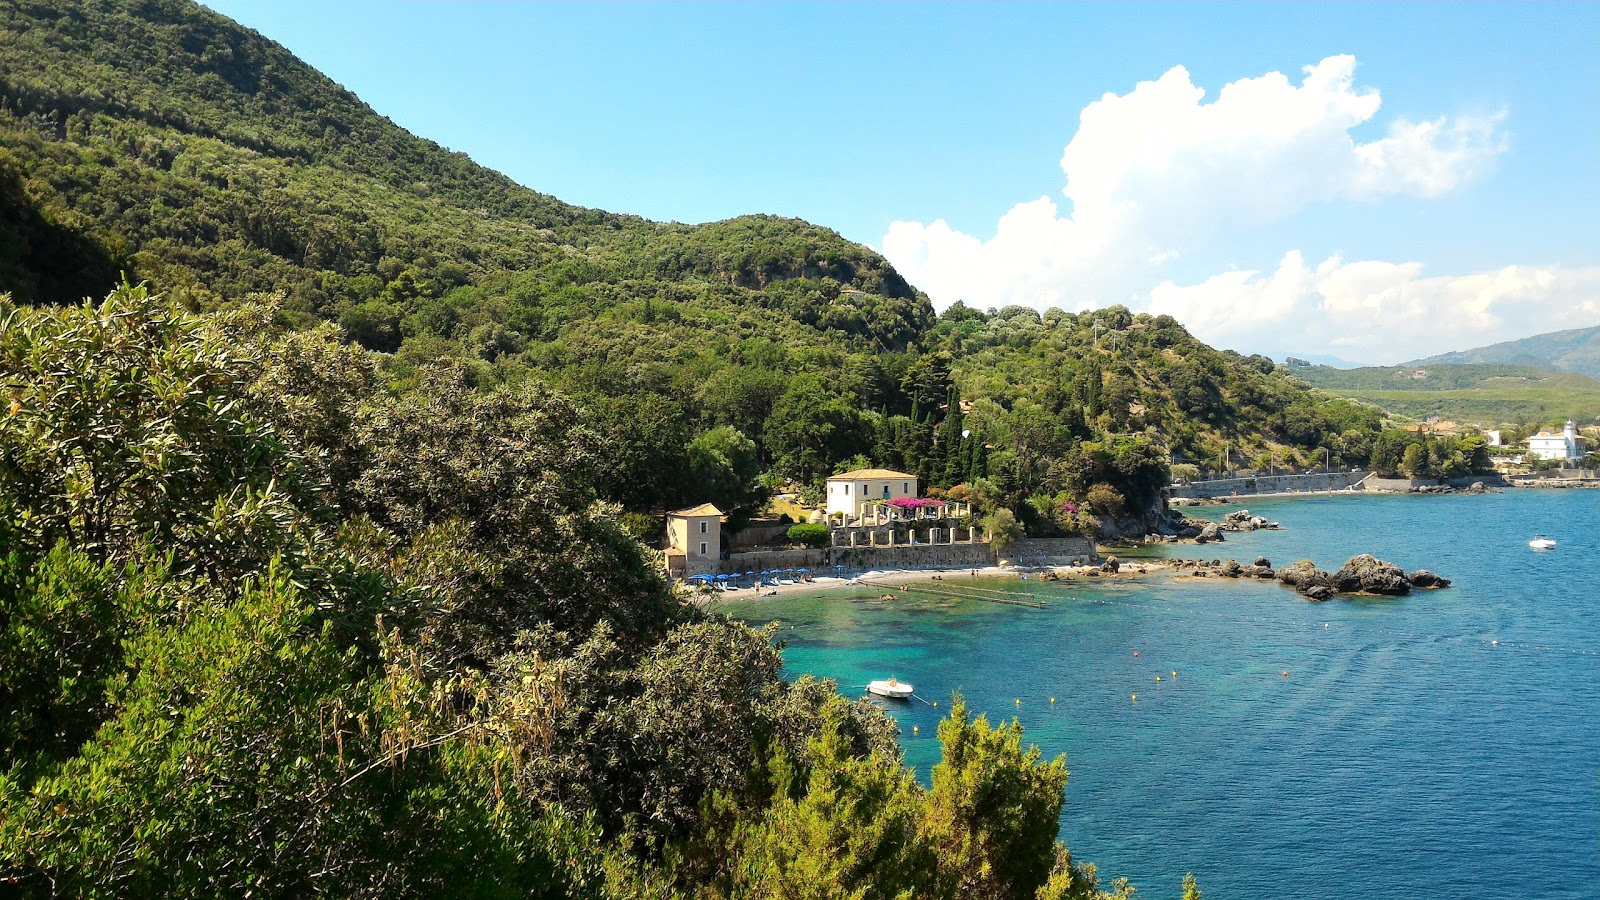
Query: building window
(703, 528)
(847, 490)
(702, 548)
(905, 488)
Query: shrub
(809, 535)
(642, 527)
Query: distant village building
(1493, 436)
(694, 539)
(1567, 445)
(849, 490)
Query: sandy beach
(878, 579)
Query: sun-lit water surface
(1440, 745)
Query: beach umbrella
(838, 568)
(765, 573)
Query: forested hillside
(161, 140)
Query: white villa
(1567, 445)
(847, 491)
(694, 539)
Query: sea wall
(1374, 483)
(1267, 484)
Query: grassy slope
(1485, 394)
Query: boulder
(1305, 577)
(1230, 569)
(1422, 578)
(1368, 574)
(1111, 565)
(1211, 532)
(1477, 488)
(1263, 562)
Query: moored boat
(897, 690)
(1540, 542)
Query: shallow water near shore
(1437, 745)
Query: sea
(1439, 745)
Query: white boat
(897, 690)
(1540, 542)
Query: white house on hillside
(847, 491)
(1564, 446)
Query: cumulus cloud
(1378, 312)
(1153, 173)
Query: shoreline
(878, 579)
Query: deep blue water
(1405, 754)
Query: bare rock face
(1422, 578)
(1317, 592)
(1368, 574)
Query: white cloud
(1152, 174)
(1378, 312)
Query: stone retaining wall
(1052, 551)
(919, 556)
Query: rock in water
(1422, 578)
(1230, 569)
(1263, 562)
(1371, 575)
(1209, 533)
(1305, 577)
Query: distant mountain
(1574, 350)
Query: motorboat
(895, 690)
(1540, 542)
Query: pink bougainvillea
(1069, 507)
(914, 503)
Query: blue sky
(1308, 217)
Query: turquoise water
(1405, 754)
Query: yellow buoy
(1174, 674)
(914, 729)
(1135, 696)
(1158, 677)
(1019, 701)
(935, 703)
(1052, 699)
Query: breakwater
(1267, 484)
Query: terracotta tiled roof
(704, 509)
(868, 474)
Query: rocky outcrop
(1211, 532)
(1305, 577)
(1111, 565)
(1367, 574)
(1242, 520)
(1364, 574)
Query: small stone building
(695, 536)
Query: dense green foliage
(1410, 454)
(265, 633)
(160, 140)
(1485, 394)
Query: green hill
(1480, 393)
(1575, 350)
